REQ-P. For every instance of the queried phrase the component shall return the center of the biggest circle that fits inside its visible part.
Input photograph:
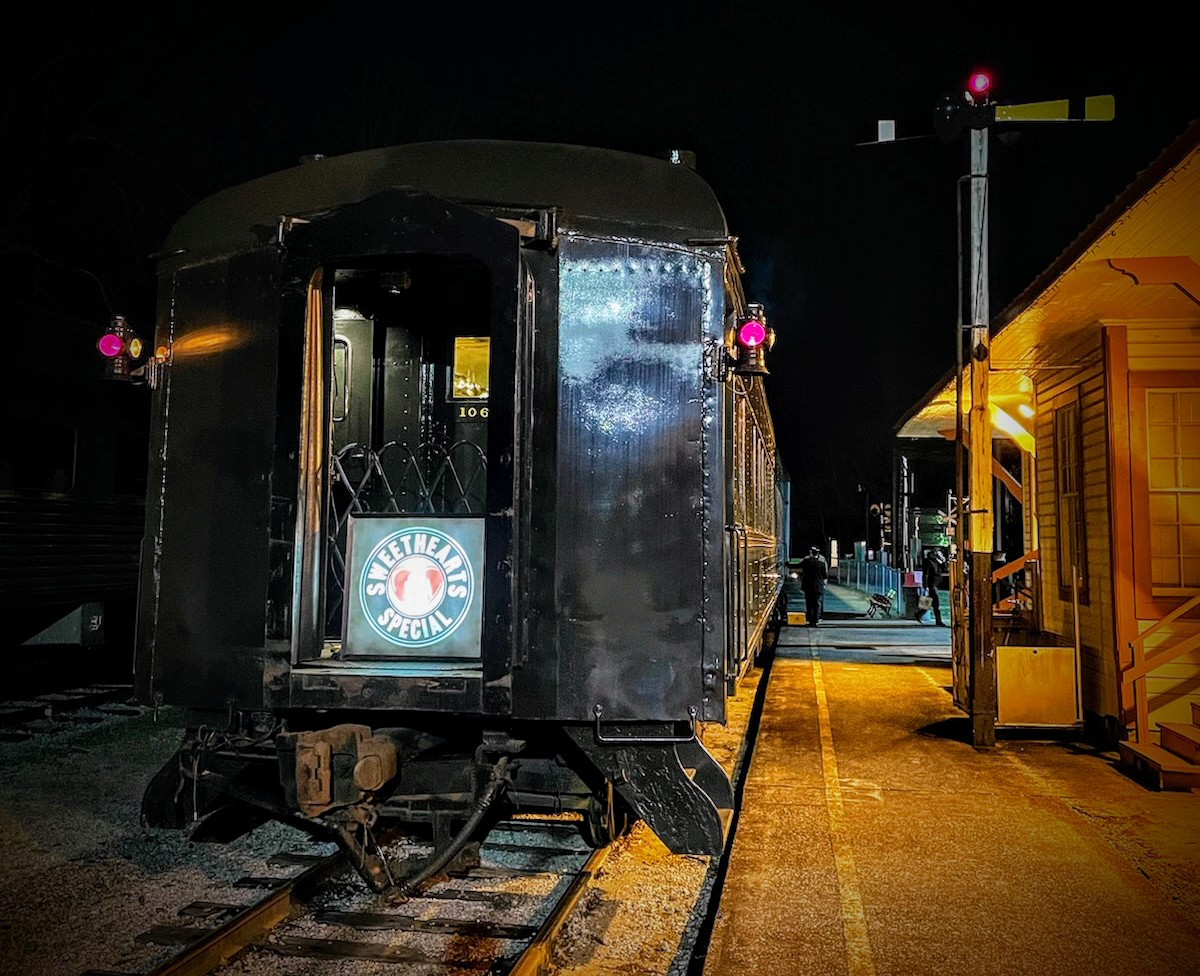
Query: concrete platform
(844, 601)
(874, 839)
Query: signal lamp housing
(749, 342)
(111, 345)
(119, 346)
(979, 85)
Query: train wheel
(605, 819)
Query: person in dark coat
(931, 579)
(813, 574)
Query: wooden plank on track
(497, 872)
(538, 849)
(169, 935)
(294, 945)
(497, 899)
(248, 926)
(437, 926)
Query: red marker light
(980, 83)
(110, 345)
(752, 333)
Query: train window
(42, 456)
(470, 371)
(340, 394)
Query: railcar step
(1165, 770)
(1182, 740)
(438, 926)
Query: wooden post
(982, 687)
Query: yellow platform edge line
(860, 961)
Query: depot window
(469, 373)
(1173, 481)
(1071, 523)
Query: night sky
(112, 129)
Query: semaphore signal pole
(981, 680)
(974, 110)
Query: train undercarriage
(362, 786)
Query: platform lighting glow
(1007, 424)
(752, 333)
(110, 345)
(1025, 410)
(979, 83)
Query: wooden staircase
(1174, 764)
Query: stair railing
(1134, 675)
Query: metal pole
(960, 657)
(982, 688)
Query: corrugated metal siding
(67, 551)
(1096, 621)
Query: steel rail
(535, 960)
(249, 925)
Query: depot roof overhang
(1139, 261)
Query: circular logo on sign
(416, 586)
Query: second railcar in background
(459, 504)
(72, 489)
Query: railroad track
(499, 917)
(48, 713)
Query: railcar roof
(599, 190)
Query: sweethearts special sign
(413, 587)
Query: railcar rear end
(444, 485)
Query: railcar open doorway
(409, 362)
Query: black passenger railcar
(454, 496)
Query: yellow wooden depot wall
(1096, 623)
(1171, 688)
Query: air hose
(486, 798)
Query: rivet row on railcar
(462, 497)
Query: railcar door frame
(396, 223)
